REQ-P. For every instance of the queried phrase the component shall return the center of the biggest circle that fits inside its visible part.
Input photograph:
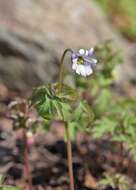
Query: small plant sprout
(3, 186)
(19, 113)
(61, 102)
(115, 181)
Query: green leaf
(39, 94)
(81, 118)
(119, 138)
(1, 179)
(66, 110)
(103, 101)
(51, 104)
(67, 93)
(103, 81)
(73, 128)
(7, 187)
(83, 115)
(116, 181)
(103, 127)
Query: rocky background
(33, 35)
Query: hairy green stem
(61, 67)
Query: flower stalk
(61, 67)
(69, 146)
(83, 64)
(69, 155)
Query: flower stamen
(80, 60)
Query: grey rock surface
(25, 63)
(34, 33)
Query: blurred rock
(24, 63)
(3, 92)
(33, 35)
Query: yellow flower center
(80, 60)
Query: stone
(34, 34)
